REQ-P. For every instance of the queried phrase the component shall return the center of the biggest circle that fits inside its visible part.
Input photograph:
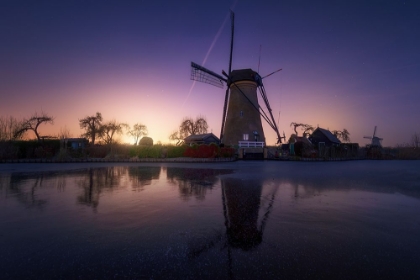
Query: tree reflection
(141, 177)
(24, 187)
(96, 180)
(194, 182)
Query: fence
(249, 144)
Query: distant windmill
(375, 141)
(241, 112)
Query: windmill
(241, 119)
(375, 141)
(247, 206)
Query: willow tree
(189, 127)
(343, 135)
(192, 127)
(175, 136)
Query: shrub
(8, 150)
(148, 151)
(208, 151)
(97, 151)
(227, 152)
(35, 149)
(175, 151)
(146, 141)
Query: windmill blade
(232, 20)
(272, 73)
(374, 132)
(367, 137)
(268, 211)
(201, 74)
(267, 104)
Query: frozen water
(245, 220)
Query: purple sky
(346, 64)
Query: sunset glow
(351, 65)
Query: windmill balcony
(250, 144)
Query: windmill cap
(243, 75)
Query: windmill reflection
(246, 208)
(241, 204)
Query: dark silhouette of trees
(9, 127)
(189, 127)
(295, 126)
(174, 136)
(93, 126)
(137, 132)
(111, 129)
(343, 135)
(64, 133)
(415, 140)
(33, 124)
(305, 127)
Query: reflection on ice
(300, 221)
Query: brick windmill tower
(241, 120)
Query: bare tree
(190, 127)
(111, 129)
(93, 126)
(176, 137)
(64, 133)
(295, 126)
(305, 127)
(33, 124)
(9, 127)
(415, 140)
(343, 135)
(137, 132)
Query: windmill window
(246, 136)
(242, 113)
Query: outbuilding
(199, 139)
(323, 137)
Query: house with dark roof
(75, 143)
(323, 137)
(199, 139)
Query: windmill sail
(201, 74)
(241, 119)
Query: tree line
(343, 135)
(12, 129)
(95, 128)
